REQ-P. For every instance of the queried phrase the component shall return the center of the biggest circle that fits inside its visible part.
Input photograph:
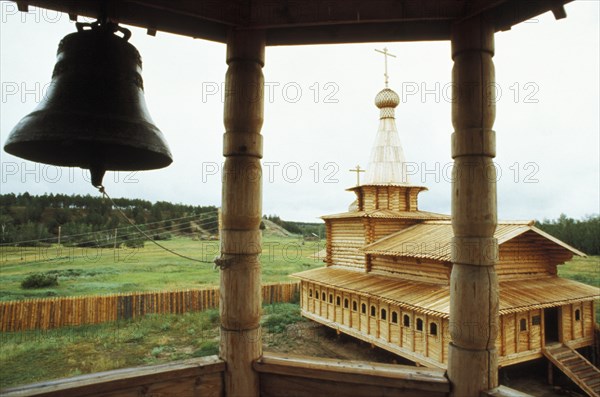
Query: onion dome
(387, 165)
(387, 98)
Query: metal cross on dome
(386, 54)
(358, 170)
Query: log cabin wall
(417, 336)
(384, 227)
(328, 247)
(416, 269)
(424, 338)
(380, 197)
(395, 198)
(523, 335)
(346, 238)
(521, 259)
(577, 324)
(520, 337)
(413, 199)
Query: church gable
(422, 250)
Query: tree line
(583, 234)
(89, 220)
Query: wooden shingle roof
(432, 240)
(515, 296)
(389, 214)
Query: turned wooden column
(473, 360)
(241, 211)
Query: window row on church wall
(426, 335)
(392, 316)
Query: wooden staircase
(576, 367)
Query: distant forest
(28, 220)
(91, 221)
(582, 234)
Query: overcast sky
(320, 119)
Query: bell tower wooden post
(240, 290)
(473, 360)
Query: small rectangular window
(522, 325)
(536, 320)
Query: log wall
(411, 268)
(520, 259)
(577, 324)
(419, 337)
(522, 335)
(345, 240)
(385, 227)
(424, 338)
(395, 198)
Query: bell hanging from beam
(94, 114)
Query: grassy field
(154, 339)
(584, 270)
(91, 271)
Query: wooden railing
(280, 375)
(286, 375)
(190, 378)
(74, 311)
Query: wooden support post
(413, 329)
(473, 360)
(240, 291)
(426, 336)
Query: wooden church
(387, 274)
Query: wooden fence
(74, 311)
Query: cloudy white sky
(320, 119)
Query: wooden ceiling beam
(513, 12)
(363, 33)
(296, 22)
(134, 14)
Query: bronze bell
(94, 114)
